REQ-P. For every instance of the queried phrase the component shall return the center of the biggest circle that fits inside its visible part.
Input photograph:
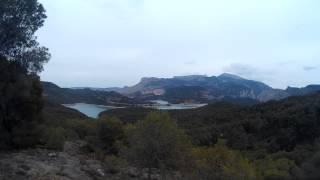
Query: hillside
(303, 91)
(277, 125)
(56, 94)
(282, 136)
(53, 112)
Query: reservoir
(91, 110)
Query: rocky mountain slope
(202, 88)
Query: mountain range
(206, 89)
(179, 89)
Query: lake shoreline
(93, 110)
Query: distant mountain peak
(232, 76)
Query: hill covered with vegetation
(54, 93)
(284, 131)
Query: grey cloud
(309, 68)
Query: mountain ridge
(56, 94)
(204, 89)
(207, 88)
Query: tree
(110, 132)
(21, 58)
(157, 142)
(20, 105)
(19, 20)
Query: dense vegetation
(20, 106)
(278, 139)
(21, 58)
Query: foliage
(157, 142)
(55, 138)
(127, 115)
(20, 106)
(81, 127)
(220, 162)
(269, 168)
(276, 126)
(20, 59)
(114, 163)
(110, 132)
(280, 138)
(54, 132)
(19, 20)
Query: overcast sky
(105, 43)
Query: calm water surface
(91, 110)
(165, 105)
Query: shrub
(269, 168)
(110, 132)
(55, 138)
(220, 162)
(157, 142)
(81, 127)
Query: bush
(157, 142)
(114, 164)
(110, 132)
(55, 138)
(269, 168)
(81, 127)
(219, 162)
(107, 137)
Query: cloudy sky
(106, 43)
